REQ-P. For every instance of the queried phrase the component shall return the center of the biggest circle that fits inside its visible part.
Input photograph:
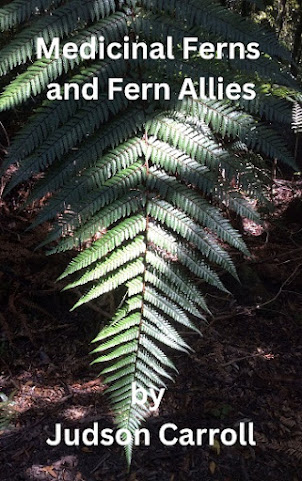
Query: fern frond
(18, 11)
(168, 307)
(224, 118)
(125, 181)
(142, 191)
(175, 296)
(44, 71)
(159, 237)
(110, 283)
(215, 18)
(196, 207)
(297, 118)
(62, 22)
(110, 136)
(189, 230)
(127, 229)
(127, 253)
(97, 190)
(54, 113)
(123, 207)
(83, 124)
(166, 271)
(156, 27)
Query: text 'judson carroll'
(169, 435)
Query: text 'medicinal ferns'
(149, 180)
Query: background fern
(149, 180)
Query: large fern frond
(141, 189)
(18, 11)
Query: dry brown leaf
(212, 467)
(49, 470)
(216, 447)
(86, 450)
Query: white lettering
(95, 436)
(58, 436)
(42, 50)
(223, 437)
(162, 433)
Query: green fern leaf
(141, 189)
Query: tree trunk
(246, 8)
(297, 44)
(281, 17)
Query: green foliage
(148, 182)
(297, 118)
(18, 11)
(6, 410)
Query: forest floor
(246, 367)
